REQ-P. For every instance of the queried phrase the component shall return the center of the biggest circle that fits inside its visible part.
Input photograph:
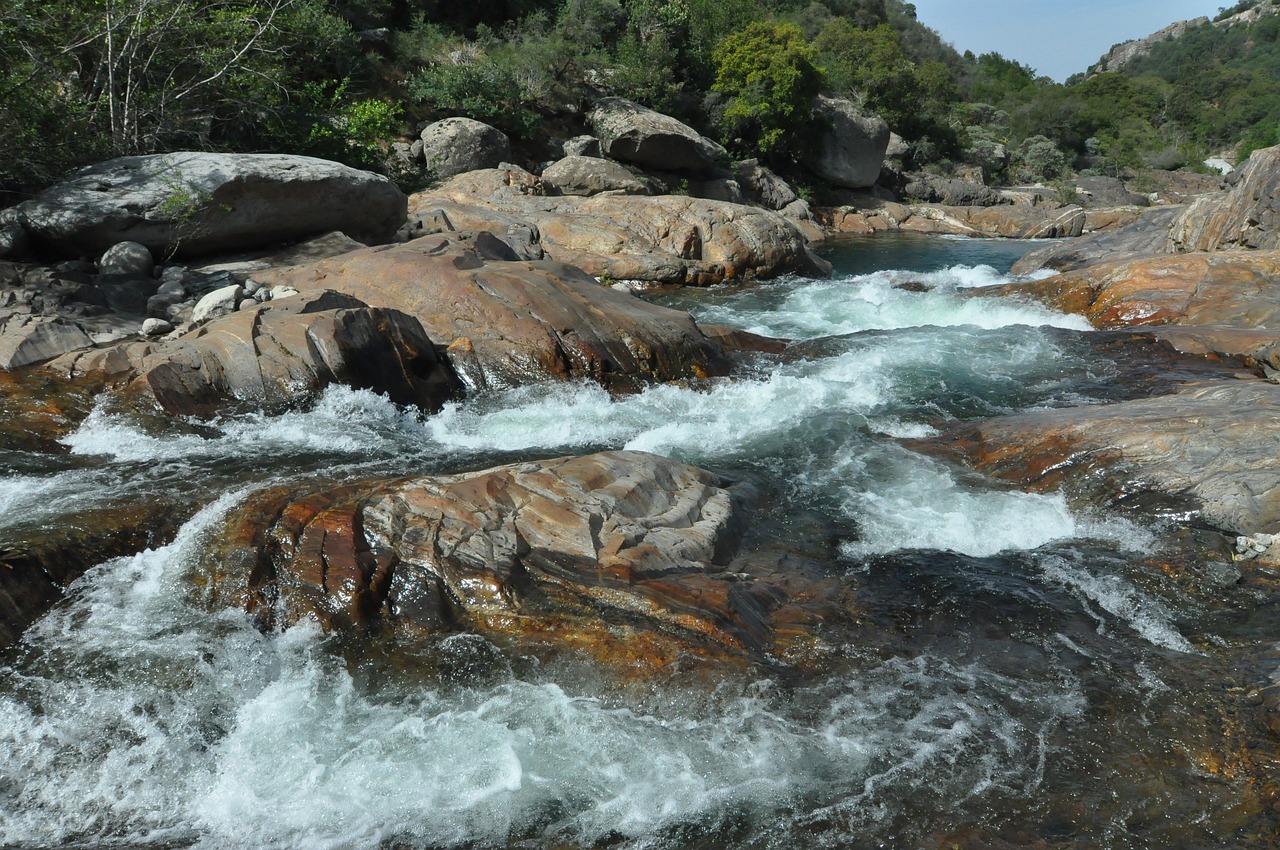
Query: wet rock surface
(1217, 443)
(1226, 288)
(623, 556)
(509, 322)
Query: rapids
(1025, 675)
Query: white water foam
(875, 301)
(901, 500)
(342, 421)
(1119, 598)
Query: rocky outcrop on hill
(193, 203)
(662, 239)
(620, 556)
(1120, 55)
(271, 355)
(629, 132)
(509, 322)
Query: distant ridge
(1124, 53)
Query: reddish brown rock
(508, 322)
(621, 556)
(1227, 288)
(1246, 217)
(1008, 221)
(666, 239)
(1217, 443)
(271, 355)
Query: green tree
(767, 71)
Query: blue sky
(1056, 38)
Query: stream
(1023, 675)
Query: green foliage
(332, 125)
(481, 89)
(1039, 158)
(767, 71)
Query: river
(1024, 676)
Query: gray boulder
(586, 176)
(27, 339)
(458, 145)
(193, 203)
(13, 241)
(220, 302)
(629, 132)
(762, 186)
(127, 258)
(851, 146)
(582, 146)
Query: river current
(1025, 678)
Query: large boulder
(663, 239)
(1234, 288)
(629, 132)
(1214, 442)
(1246, 217)
(510, 322)
(851, 146)
(457, 145)
(954, 192)
(192, 203)
(275, 354)
(26, 338)
(587, 176)
(620, 556)
(762, 186)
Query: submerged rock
(509, 322)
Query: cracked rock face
(509, 322)
(620, 555)
(270, 356)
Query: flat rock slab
(194, 203)
(1217, 443)
(620, 556)
(509, 322)
(1234, 288)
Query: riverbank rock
(661, 239)
(272, 355)
(26, 338)
(193, 203)
(619, 556)
(1010, 222)
(1146, 236)
(629, 132)
(1246, 217)
(587, 176)
(1233, 288)
(851, 145)
(1217, 443)
(456, 145)
(509, 322)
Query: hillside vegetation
(87, 79)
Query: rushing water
(1025, 677)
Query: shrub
(767, 72)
